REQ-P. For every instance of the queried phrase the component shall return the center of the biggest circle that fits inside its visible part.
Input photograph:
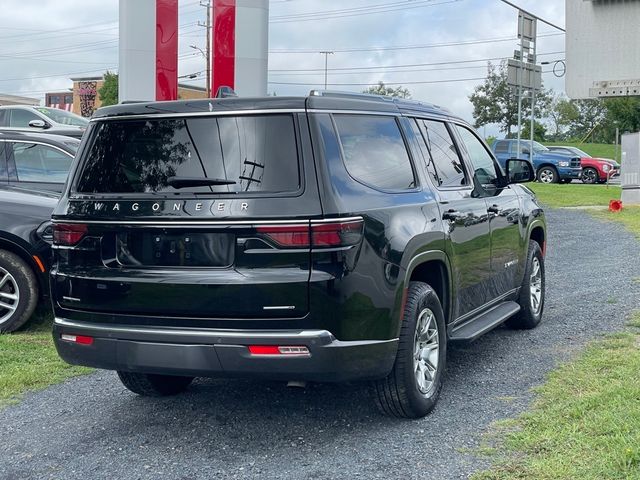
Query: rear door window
(20, 118)
(375, 152)
(3, 118)
(251, 153)
(40, 163)
(502, 147)
(449, 168)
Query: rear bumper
(219, 353)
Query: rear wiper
(182, 182)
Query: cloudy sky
(438, 49)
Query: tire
(530, 311)
(19, 292)
(590, 176)
(149, 385)
(548, 175)
(401, 394)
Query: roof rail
(355, 95)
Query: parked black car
(35, 160)
(25, 253)
(35, 119)
(329, 238)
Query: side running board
(469, 331)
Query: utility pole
(326, 54)
(207, 51)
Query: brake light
(287, 235)
(320, 235)
(68, 234)
(338, 234)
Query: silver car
(42, 119)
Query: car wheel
(531, 292)
(589, 175)
(18, 292)
(412, 388)
(150, 385)
(548, 175)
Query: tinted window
(375, 152)
(21, 118)
(484, 168)
(40, 163)
(448, 165)
(502, 147)
(3, 118)
(425, 151)
(258, 153)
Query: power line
(421, 82)
(533, 15)
(358, 11)
(415, 47)
(375, 67)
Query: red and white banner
(240, 45)
(148, 63)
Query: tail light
(316, 235)
(68, 234)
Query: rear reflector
(278, 350)
(321, 235)
(68, 234)
(80, 339)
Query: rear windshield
(252, 153)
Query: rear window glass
(375, 152)
(249, 153)
(502, 147)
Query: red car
(594, 170)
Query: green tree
(586, 118)
(382, 89)
(624, 113)
(109, 91)
(539, 131)
(494, 101)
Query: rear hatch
(204, 216)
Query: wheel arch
(17, 247)
(433, 267)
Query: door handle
(452, 215)
(494, 209)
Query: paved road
(92, 428)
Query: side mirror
(39, 124)
(526, 151)
(519, 171)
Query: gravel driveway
(92, 428)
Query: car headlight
(564, 164)
(606, 168)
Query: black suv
(329, 238)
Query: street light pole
(326, 54)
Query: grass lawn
(598, 150)
(585, 423)
(629, 217)
(29, 361)
(574, 194)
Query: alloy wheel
(589, 176)
(546, 176)
(535, 286)
(426, 352)
(9, 295)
